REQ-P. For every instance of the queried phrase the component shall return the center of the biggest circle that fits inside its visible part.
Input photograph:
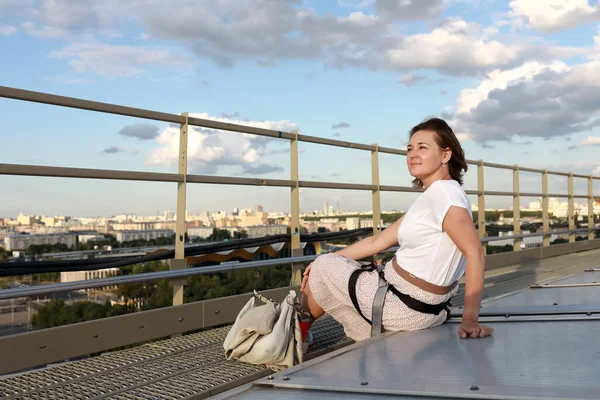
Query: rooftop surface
(551, 350)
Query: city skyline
(514, 78)
(169, 214)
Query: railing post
(591, 234)
(516, 209)
(180, 261)
(295, 210)
(571, 209)
(376, 194)
(481, 203)
(545, 216)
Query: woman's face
(424, 156)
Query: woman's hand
(472, 329)
(305, 278)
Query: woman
(438, 244)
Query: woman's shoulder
(445, 185)
(446, 189)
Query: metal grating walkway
(194, 367)
(190, 366)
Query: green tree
(211, 286)
(152, 294)
(57, 313)
(391, 218)
(219, 235)
(498, 249)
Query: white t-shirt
(426, 250)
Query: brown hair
(445, 138)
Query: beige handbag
(266, 333)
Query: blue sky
(517, 80)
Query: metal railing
(39, 347)
(182, 178)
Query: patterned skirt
(328, 282)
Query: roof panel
(551, 295)
(549, 360)
(526, 358)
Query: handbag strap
(264, 299)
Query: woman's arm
(366, 247)
(459, 227)
(373, 244)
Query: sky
(516, 80)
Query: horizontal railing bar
(559, 173)
(581, 176)
(227, 126)
(330, 185)
(71, 102)
(524, 235)
(239, 181)
(86, 173)
(407, 189)
(65, 172)
(526, 169)
(334, 142)
(148, 276)
(501, 166)
(527, 194)
(496, 193)
(390, 150)
(14, 293)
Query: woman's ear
(447, 154)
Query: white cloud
(455, 47)
(10, 8)
(591, 140)
(533, 100)
(471, 98)
(114, 150)
(358, 4)
(581, 167)
(359, 18)
(140, 131)
(490, 31)
(67, 80)
(268, 32)
(119, 60)
(411, 79)
(65, 18)
(409, 9)
(208, 149)
(7, 30)
(554, 15)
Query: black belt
(410, 302)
